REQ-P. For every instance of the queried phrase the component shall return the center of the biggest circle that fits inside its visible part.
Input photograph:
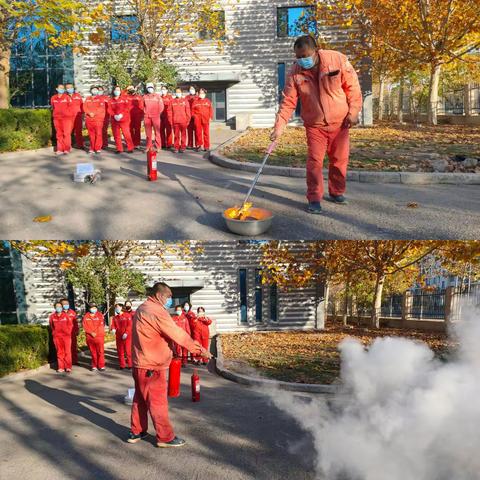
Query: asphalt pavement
(188, 199)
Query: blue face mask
(70, 90)
(118, 310)
(116, 93)
(169, 303)
(306, 63)
(66, 307)
(93, 310)
(150, 90)
(60, 90)
(58, 309)
(94, 93)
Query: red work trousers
(95, 133)
(191, 134)
(151, 397)
(136, 129)
(180, 352)
(78, 130)
(203, 339)
(180, 132)
(166, 133)
(63, 345)
(202, 133)
(63, 129)
(153, 123)
(106, 122)
(96, 346)
(336, 144)
(74, 349)
(122, 127)
(124, 348)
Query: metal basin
(261, 221)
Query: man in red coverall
(95, 108)
(94, 327)
(200, 331)
(62, 109)
(153, 106)
(153, 328)
(202, 113)
(165, 125)
(181, 321)
(106, 121)
(122, 328)
(136, 115)
(119, 111)
(75, 328)
(191, 97)
(61, 327)
(331, 99)
(77, 113)
(179, 116)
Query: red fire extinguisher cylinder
(195, 387)
(174, 377)
(152, 164)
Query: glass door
(219, 103)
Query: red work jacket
(203, 110)
(136, 106)
(77, 103)
(179, 112)
(122, 323)
(61, 324)
(98, 106)
(94, 323)
(167, 100)
(153, 105)
(119, 105)
(62, 105)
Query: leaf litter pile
(384, 147)
(311, 357)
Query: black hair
(57, 303)
(119, 305)
(64, 300)
(305, 41)
(184, 303)
(200, 308)
(159, 287)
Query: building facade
(244, 79)
(225, 278)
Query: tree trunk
(345, 307)
(433, 94)
(377, 301)
(325, 299)
(400, 101)
(5, 78)
(381, 99)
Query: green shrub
(23, 347)
(24, 129)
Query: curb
(406, 178)
(266, 382)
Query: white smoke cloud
(401, 414)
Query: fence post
(467, 100)
(406, 307)
(451, 304)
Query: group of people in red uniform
(173, 122)
(65, 329)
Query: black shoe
(129, 151)
(315, 208)
(340, 199)
(118, 152)
(176, 442)
(132, 438)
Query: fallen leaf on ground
(412, 205)
(43, 219)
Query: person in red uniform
(95, 108)
(153, 107)
(77, 113)
(179, 116)
(94, 327)
(62, 108)
(119, 111)
(128, 308)
(75, 330)
(61, 327)
(166, 129)
(201, 332)
(153, 329)
(181, 321)
(106, 121)
(202, 113)
(192, 140)
(122, 328)
(327, 86)
(136, 115)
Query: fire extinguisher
(174, 377)
(152, 164)
(195, 387)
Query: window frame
(242, 321)
(288, 34)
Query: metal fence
(428, 306)
(392, 306)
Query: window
(296, 21)
(242, 274)
(282, 77)
(125, 29)
(8, 303)
(214, 27)
(219, 104)
(36, 69)
(273, 303)
(258, 295)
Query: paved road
(187, 201)
(57, 427)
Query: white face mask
(178, 94)
(202, 95)
(164, 92)
(186, 308)
(192, 91)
